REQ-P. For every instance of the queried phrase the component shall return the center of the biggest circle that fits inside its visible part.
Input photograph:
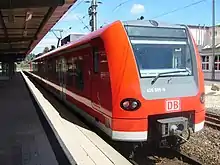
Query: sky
(191, 12)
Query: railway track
(167, 156)
(143, 157)
(212, 120)
(187, 158)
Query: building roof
(197, 26)
(24, 24)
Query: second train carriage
(136, 80)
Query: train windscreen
(159, 50)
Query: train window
(79, 81)
(57, 66)
(49, 66)
(95, 60)
(142, 31)
(70, 71)
(35, 66)
(161, 55)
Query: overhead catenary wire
(122, 3)
(181, 8)
(85, 26)
(79, 18)
(71, 10)
(113, 10)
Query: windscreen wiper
(159, 74)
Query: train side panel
(83, 81)
(101, 86)
(99, 74)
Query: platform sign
(172, 105)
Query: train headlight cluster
(130, 104)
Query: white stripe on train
(116, 135)
(79, 98)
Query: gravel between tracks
(174, 161)
(205, 145)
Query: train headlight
(130, 104)
(126, 104)
(202, 98)
(134, 104)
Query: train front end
(169, 91)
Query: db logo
(172, 105)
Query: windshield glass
(161, 54)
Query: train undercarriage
(166, 132)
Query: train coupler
(171, 131)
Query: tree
(30, 57)
(52, 47)
(46, 49)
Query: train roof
(80, 41)
(92, 35)
(152, 23)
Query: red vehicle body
(101, 77)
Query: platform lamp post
(213, 39)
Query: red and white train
(135, 80)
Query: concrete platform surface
(81, 145)
(22, 140)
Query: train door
(59, 77)
(62, 77)
(95, 79)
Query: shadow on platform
(23, 139)
(64, 111)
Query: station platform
(22, 140)
(80, 144)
